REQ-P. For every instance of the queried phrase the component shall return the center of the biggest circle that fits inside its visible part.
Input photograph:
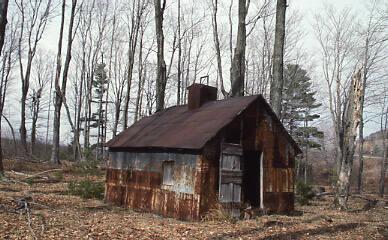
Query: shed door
(231, 177)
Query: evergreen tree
(100, 84)
(298, 107)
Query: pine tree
(98, 117)
(298, 107)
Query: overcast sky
(306, 7)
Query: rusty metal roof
(179, 128)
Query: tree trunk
(217, 47)
(161, 79)
(140, 75)
(25, 88)
(77, 154)
(35, 116)
(238, 63)
(361, 149)
(3, 23)
(1, 154)
(384, 131)
(361, 128)
(351, 121)
(61, 91)
(278, 53)
(178, 100)
(22, 129)
(48, 115)
(306, 161)
(383, 166)
(129, 85)
(55, 144)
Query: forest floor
(54, 214)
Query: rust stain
(279, 202)
(196, 188)
(142, 191)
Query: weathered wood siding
(278, 182)
(135, 180)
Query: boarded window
(168, 172)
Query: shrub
(88, 154)
(87, 189)
(58, 176)
(304, 193)
(30, 181)
(65, 154)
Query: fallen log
(47, 171)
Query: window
(168, 172)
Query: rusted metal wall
(208, 175)
(278, 182)
(135, 180)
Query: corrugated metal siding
(135, 180)
(207, 176)
(278, 182)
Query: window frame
(170, 181)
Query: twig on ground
(29, 218)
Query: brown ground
(56, 215)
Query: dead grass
(218, 214)
(57, 215)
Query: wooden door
(231, 178)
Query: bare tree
(134, 21)
(141, 70)
(34, 17)
(42, 77)
(178, 99)
(335, 34)
(55, 147)
(277, 82)
(217, 47)
(350, 123)
(238, 62)
(373, 54)
(95, 22)
(384, 134)
(260, 58)
(7, 63)
(161, 79)
(87, 61)
(60, 91)
(3, 21)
